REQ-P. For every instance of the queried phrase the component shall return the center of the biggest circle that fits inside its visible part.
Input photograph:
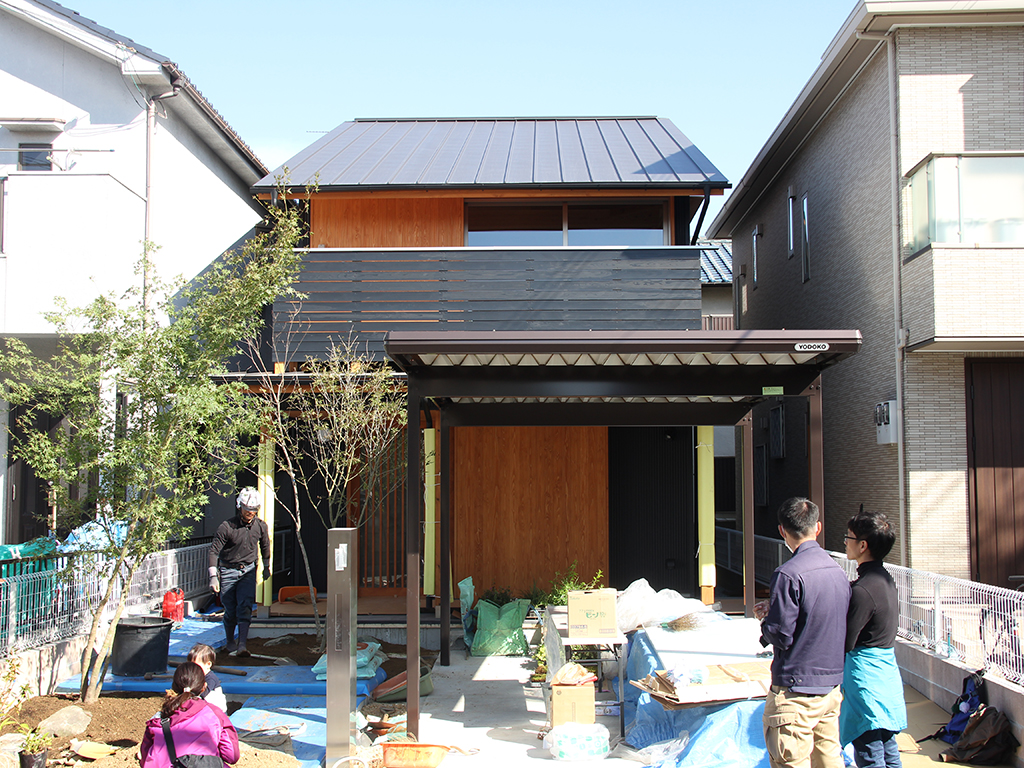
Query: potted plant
(36, 748)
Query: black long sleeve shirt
(235, 544)
(874, 608)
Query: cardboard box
(592, 613)
(725, 682)
(572, 704)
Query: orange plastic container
(405, 754)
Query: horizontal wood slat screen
(371, 292)
(386, 223)
(527, 502)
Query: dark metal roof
(510, 152)
(710, 369)
(716, 261)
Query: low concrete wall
(41, 669)
(941, 680)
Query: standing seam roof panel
(471, 158)
(651, 158)
(440, 167)
(599, 160)
(305, 165)
(339, 169)
(546, 165)
(495, 163)
(700, 160)
(675, 156)
(521, 154)
(391, 162)
(627, 164)
(425, 150)
(502, 151)
(570, 150)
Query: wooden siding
(405, 222)
(484, 289)
(527, 502)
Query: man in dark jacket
(805, 622)
(233, 566)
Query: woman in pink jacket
(196, 727)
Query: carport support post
(749, 583)
(446, 548)
(816, 452)
(413, 498)
(342, 568)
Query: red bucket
(174, 605)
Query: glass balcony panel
(992, 190)
(944, 199)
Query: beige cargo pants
(802, 731)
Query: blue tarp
(307, 725)
(723, 735)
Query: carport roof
(724, 372)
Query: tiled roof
(510, 152)
(716, 261)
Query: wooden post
(706, 513)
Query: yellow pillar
(265, 488)
(430, 512)
(706, 513)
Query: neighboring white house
(103, 144)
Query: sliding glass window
(555, 224)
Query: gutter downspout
(703, 211)
(900, 337)
(150, 131)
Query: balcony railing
(967, 198)
(369, 292)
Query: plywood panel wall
(526, 502)
(371, 222)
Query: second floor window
(556, 224)
(805, 240)
(34, 157)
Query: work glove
(214, 579)
(266, 573)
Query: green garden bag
(499, 631)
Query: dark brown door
(995, 435)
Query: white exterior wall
(78, 232)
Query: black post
(413, 500)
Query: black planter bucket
(140, 646)
(38, 760)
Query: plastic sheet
(721, 736)
(574, 741)
(499, 631)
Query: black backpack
(987, 740)
(971, 697)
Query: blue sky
(282, 73)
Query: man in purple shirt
(805, 622)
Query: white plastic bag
(640, 606)
(575, 741)
(665, 751)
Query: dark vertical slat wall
(651, 513)
(369, 293)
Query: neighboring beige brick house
(914, 119)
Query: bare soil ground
(119, 717)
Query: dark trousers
(877, 749)
(237, 593)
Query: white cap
(248, 498)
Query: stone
(70, 721)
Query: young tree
(147, 434)
(338, 427)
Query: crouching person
(192, 726)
